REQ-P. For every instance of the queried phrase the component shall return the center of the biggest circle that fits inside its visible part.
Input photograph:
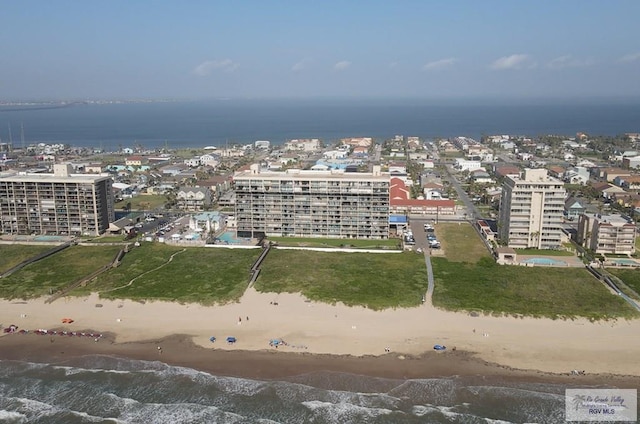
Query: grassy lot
(13, 254)
(543, 252)
(328, 242)
(143, 202)
(56, 271)
(107, 239)
(377, 281)
(630, 277)
(515, 290)
(197, 274)
(461, 243)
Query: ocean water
(217, 122)
(102, 389)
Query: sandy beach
(391, 343)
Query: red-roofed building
(400, 202)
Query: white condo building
(304, 203)
(531, 210)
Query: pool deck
(569, 261)
(621, 263)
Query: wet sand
(179, 350)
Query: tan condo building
(606, 234)
(531, 211)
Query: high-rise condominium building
(531, 210)
(61, 203)
(304, 203)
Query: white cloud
(439, 64)
(569, 61)
(342, 65)
(208, 67)
(515, 61)
(631, 57)
(299, 66)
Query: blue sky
(305, 49)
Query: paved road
(472, 211)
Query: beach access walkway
(427, 260)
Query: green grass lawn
(56, 271)
(143, 202)
(13, 254)
(630, 277)
(377, 281)
(198, 275)
(460, 242)
(515, 290)
(329, 242)
(107, 239)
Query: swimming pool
(229, 237)
(544, 261)
(50, 238)
(625, 262)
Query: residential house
(557, 172)
(209, 160)
(610, 174)
(360, 151)
(193, 162)
(433, 191)
(357, 141)
(506, 171)
(262, 144)
(576, 175)
(467, 165)
(305, 145)
(627, 199)
(632, 182)
(573, 208)
(193, 198)
(335, 154)
(607, 190)
(413, 143)
(133, 161)
(480, 176)
(632, 162)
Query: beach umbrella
(212, 339)
(439, 347)
(231, 339)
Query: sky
(63, 50)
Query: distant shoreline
(197, 123)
